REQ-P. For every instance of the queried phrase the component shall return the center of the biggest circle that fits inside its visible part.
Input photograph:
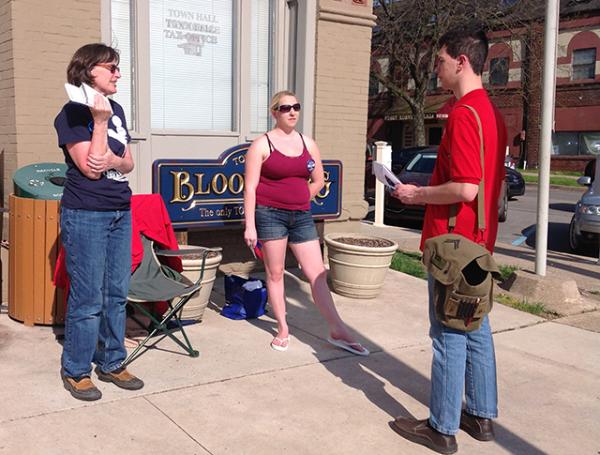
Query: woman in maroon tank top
(283, 173)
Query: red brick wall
(570, 163)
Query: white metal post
(549, 87)
(383, 155)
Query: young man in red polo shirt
(461, 361)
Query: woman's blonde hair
(277, 97)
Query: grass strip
(409, 263)
(535, 308)
(556, 173)
(554, 180)
(507, 270)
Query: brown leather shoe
(121, 378)
(420, 432)
(81, 388)
(479, 428)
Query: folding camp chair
(153, 281)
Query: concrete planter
(358, 271)
(194, 309)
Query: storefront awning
(436, 108)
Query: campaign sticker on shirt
(310, 165)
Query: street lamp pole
(548, 93)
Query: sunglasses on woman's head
(110, 67)
(285, 108)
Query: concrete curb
(558, 187)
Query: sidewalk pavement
(241, 397)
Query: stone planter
(358, 271)
(194, 309)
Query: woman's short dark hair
(470, 41)
(85, 58)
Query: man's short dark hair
(470, 41)
(84, 60)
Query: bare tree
(408, 33)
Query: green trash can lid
(40, 181)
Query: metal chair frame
(184, 293)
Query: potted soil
(194, 309)
(358, 263)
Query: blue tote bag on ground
(245, 298)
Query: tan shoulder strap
(481, 190)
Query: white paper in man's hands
(83, 94)
(385, 175)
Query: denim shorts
(297, 225)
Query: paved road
(519, 228)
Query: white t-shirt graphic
(117, 132)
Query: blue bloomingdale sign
(211, 192)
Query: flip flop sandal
(354, 348)
(284, 344)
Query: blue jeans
(98, 258)
(462, 361)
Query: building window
(191, 57)
(260, 74)
(499, 71)
(121, 40)
(376, 87)
(373, 85)
(584, 64)
(201, 68)
(573, 143)
(432, 84)
(434, 135)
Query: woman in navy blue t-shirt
(95, 226)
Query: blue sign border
(228, 203)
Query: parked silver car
(584, 230)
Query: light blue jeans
(462, 361)
(98, 258)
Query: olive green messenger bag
(462, 269)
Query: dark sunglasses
(285, 108)
(110, 67)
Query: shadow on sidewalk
(564, 262)
(558, 235)
(364, 373)
(562, 206)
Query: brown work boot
(479, 428)
(121, 378)
(81, 388)
(420, 432)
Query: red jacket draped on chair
(149, 217)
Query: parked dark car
(515, 182)
(419, 171)
(400, 158)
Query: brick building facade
(513, 76)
